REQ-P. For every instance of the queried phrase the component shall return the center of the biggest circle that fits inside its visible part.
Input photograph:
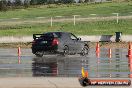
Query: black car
(58, 42)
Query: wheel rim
(85, 50)
(66, 50)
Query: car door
(74, 43)
(77, 43)
(68, 41)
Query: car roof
(58, 32)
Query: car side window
(73, 37)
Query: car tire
(85, 51)
(66, 50)
(39, 53)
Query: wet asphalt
(28, 65)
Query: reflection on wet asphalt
(69, 66)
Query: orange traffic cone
(97, 48)
(109, 53)
(19, 51)
(130, 50)
(130, 66)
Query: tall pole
(51, 24)
(74, 20)
(117, 18)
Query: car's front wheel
(85, 51)
(39, 53)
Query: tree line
(8, 4)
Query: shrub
(26, 3)
(3, 5)
(18, 3)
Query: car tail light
(55, 42)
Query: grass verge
(81, 28)
(68, 10)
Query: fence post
(117, 17)
(75, 19)
(51, 22)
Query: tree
(81, 1)
(42, 1)
(87, 0)
(18, 2)
(50, 1)
(33, 2)
(58, 1)
(36, 2)
(3, 5)
(9, 3)
(26, 3)
(67, 1)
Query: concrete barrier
(11, 39)
(124, 38)
(92, 38)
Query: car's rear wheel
(85, 51)
(39, 53)
(66, 50)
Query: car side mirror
(78, 38)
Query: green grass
(68, 10)
(81, 28)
